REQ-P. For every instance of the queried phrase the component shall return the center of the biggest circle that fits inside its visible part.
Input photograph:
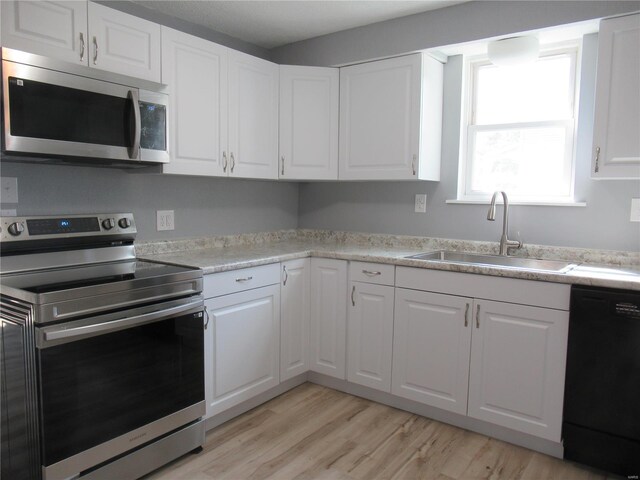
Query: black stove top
(87, 276)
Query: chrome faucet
(505, 243)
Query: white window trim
(469, 86)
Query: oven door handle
(60, 334)
(134, 150)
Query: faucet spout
(505, 243)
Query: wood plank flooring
(314, 432)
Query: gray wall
(203, 206)
(387, 207)
(447, 26)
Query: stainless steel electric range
(101, 361)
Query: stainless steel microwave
(56, 110)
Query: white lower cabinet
(432, 339)
(294, 318)
(242, 345)
(370, 335)
(328, 317)
(518, 356)
(498, 361)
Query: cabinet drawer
(525, 292)
(379, 273)
(240, 280)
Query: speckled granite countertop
(218, 254)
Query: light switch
(165, 220)
(635, 210)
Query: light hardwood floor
(314, 432)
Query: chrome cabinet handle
(286, 275)
(225, 162)
(233, 162)
(413, 165)
(95, 51)
(82, 46)
(134, 151)
(206, 316)
(371, 273)
(246, 279)
(597, 159)
(478, 317)
(466, 316)
(353, 292)
(282, 169)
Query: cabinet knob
(16, 229)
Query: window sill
(532, 204)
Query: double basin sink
(445, 256)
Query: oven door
(111, 383)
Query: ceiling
(273, 23)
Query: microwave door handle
(58, 335)
(134, 150)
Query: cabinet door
(294, 318)
(309, 99)
(196, 72)
(380, 119)
(431, 345)
(518, 357)
(242, 346)
(253, 116)
(52, 29)
(370, 335)
(124, 44)
(616, 130)
(328, 316)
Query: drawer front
(512, 290)
(379, 273)
(240, 280)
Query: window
(519, 129)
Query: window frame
(468, 127)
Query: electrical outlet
(421, 203)
(635, 210)
(165, 220)
(8, 190)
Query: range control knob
(108, 223)
(16, 229)
(124, 222)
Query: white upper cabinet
(84, 33)
(616, 131)
(253, 116)
(196, 72)
(124, 44)
(309, 100)
(391, 119)
(52, 29)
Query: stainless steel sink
(445, 256)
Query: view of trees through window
(520, 131)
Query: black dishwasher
(601, 420)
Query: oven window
(52, 112)
(153, 119)
(96, 389)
